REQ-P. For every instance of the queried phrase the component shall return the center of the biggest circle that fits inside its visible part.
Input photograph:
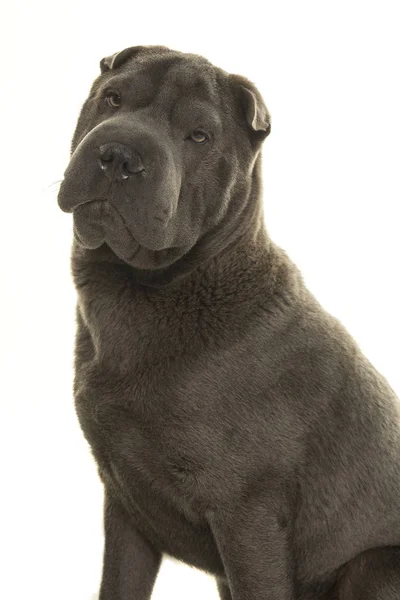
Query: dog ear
(116, 60)
(253, 105)
(119, 58)
(257, 114)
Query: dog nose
(119, 162)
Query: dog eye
(113, 99)
(198, 136)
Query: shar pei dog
(236, 424)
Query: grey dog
(236, 425)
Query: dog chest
(157, 462)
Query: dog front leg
(130, 563)
(254, 546)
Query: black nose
(119, 162)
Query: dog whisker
(52, 187)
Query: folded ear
(253, 105)
(257, 114)
(117, 59)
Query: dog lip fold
(110, 207)
(91, 201)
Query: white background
(329, 72)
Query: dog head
(164, 156)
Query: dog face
(163, 155)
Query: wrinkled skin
(236, 425)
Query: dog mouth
(91, 246)
(98, 221)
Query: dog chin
(136, 255)
(90, 244)
(152, 260)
